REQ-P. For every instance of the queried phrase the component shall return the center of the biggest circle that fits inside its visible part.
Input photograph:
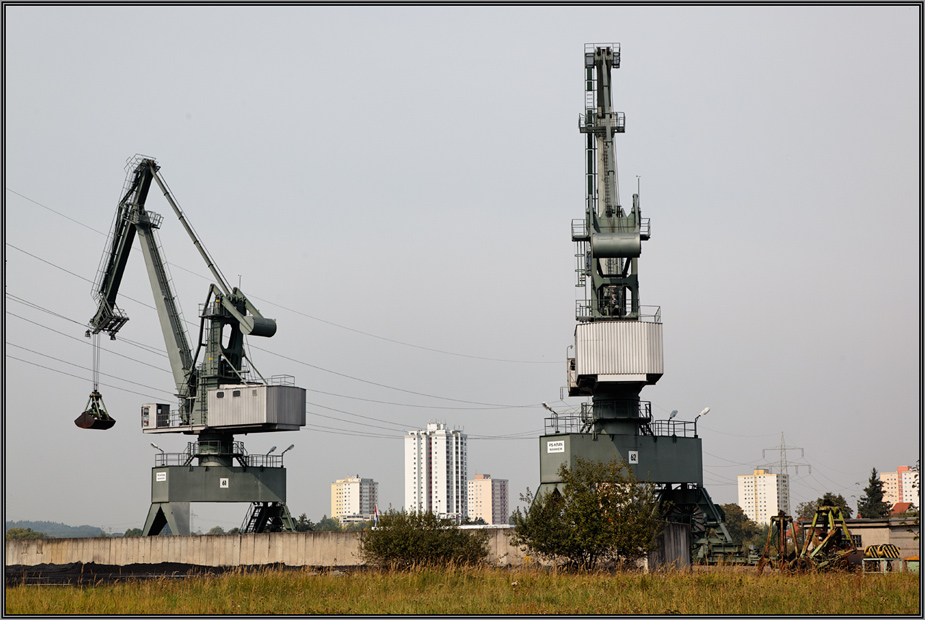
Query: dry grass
(481, 591)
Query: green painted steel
(218, 484)
(660, 460)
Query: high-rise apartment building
(763, 494)
(487, 499)
(901, 485)
(435, 471)
(354, 499)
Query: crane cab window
(219, 395)
(236, 393)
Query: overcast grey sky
(395, 186)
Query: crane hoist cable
(95, 416)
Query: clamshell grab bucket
(95, 417)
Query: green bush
(15, 533)
(405, 539)
(602, 514)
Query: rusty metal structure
(827, 544)
(777, 532)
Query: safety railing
(563, 424)
(673, 428)
(215, 448)
(264, 460)
(209, 448)
(642, 408)
(590, 48)
(646, 314)
(171, 459)
(580, 229)
(589, 122)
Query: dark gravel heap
(78, 573)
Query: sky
(395, 186)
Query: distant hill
(57, 530)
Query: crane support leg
(173, 514)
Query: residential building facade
(435, 471)
(488, 499)
(763, 494)
(354, 499)
(901, 485)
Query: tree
(217, 531)
(807, 510)
(406, 539)
(740, 527)
(328, 524)
(913, 512)
(304, 524)
(759, 538)
(358, 526)
(603, 513)
(871, 504)
(134, 531)
(469, 521)
(19, 533)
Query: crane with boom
(217, 397)
(618, 347)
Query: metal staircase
(267, 517)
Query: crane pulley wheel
(96, 416)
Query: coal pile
(79, 573)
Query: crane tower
(618, 341)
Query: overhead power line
(115, 387)
(303, 314)
(389, 387)
(144, 347)
(402, 426)
(86, 341)
(481, 405)
(58, 359)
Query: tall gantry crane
(618, 341)
(216, 398)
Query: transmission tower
(783, 465)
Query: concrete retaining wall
(292, 549)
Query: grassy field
(482, 591)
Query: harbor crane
(618, 341)
(216, 397)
